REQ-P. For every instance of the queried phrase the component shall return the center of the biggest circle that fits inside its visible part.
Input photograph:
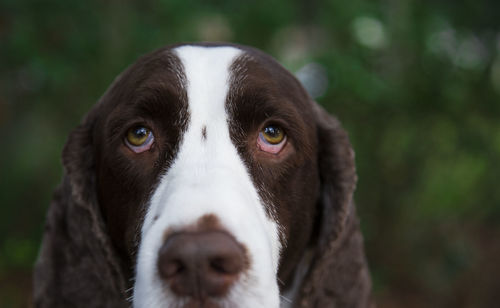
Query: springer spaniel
(205, 177)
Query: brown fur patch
(204, 133)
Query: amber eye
(139, 138)
(271, 139)
(137, 135)
(273, 134)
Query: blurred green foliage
(416, 83)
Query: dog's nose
(201, 264)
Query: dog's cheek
(122, 187)
(296, 213)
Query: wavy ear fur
(338, 275)
(77, 266)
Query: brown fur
(339, 274)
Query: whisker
(286, 299)
(281, 281)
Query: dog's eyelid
(121, 124)
(274, 121)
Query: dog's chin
(202, 303)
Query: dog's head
(206, 175)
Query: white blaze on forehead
(209, 177)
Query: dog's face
(207, 176)
(204, 177)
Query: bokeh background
(416, 83)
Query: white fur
(209, 177)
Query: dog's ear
(77, 265)
(338, 274)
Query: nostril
(170, 268)
(218, 264)
(227, 265)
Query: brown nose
(201, 264)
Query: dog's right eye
(271, 139)
(139, 138)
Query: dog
(205, 176)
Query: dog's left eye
(139, 138)
(271, 139)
